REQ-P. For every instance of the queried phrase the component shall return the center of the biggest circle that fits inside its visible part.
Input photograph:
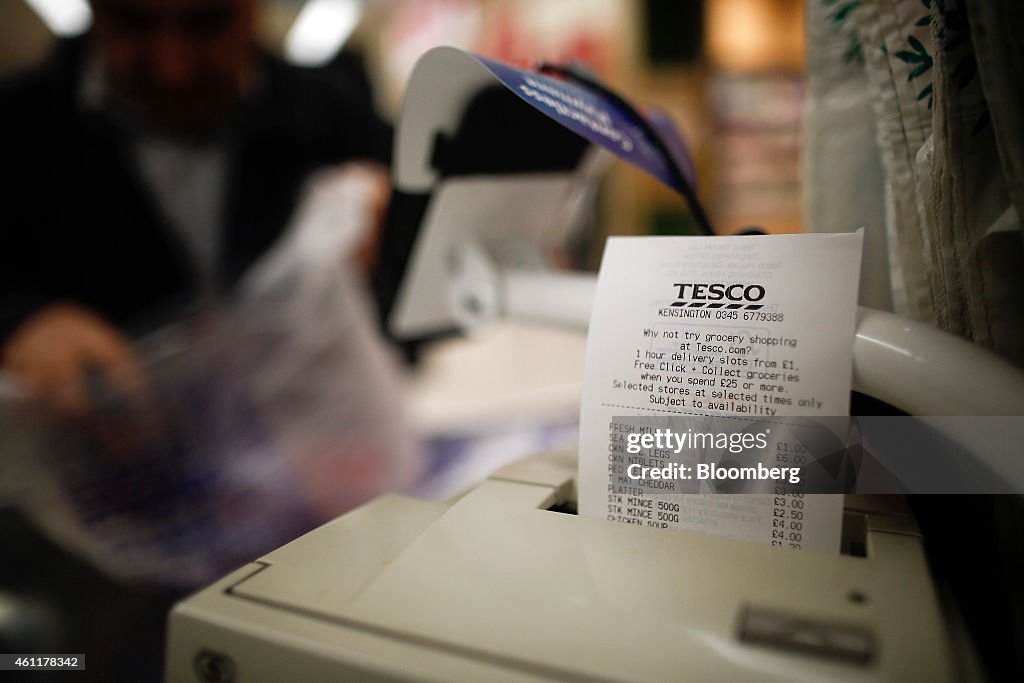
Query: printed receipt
(753, 327)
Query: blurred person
(153, 165)
(154, 160)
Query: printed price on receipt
(698, 347)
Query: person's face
(181, 62)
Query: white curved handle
(924, 371)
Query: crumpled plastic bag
(270, 413)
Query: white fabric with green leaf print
(898, 67)
(944, 81)
(844, 186)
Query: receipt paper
(699, 349)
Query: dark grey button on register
(784, 631)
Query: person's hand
(60, 351)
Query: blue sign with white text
(600, 120)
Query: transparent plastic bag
(268, 414)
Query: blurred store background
(729, 71)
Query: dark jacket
(77, 223)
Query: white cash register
(504, 581)
(500, 584)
